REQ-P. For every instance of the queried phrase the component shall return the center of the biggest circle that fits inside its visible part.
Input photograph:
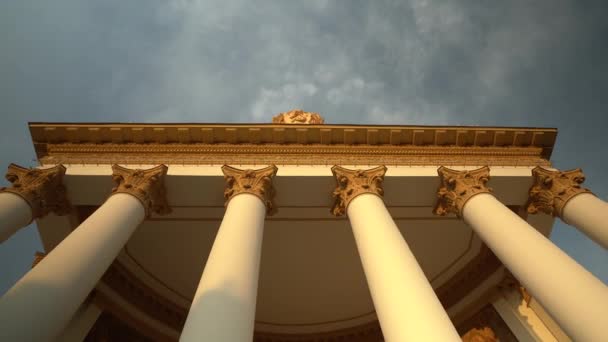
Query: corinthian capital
(352, 183)
(42, 189)
(255, 182)
(148, 186)
(553, 189)
(457, 187)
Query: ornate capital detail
(484, 334)
(42, 189)
(553, 189)
(457, 187)
(148, 186)
(298, 116)
(352, 183)
(255, 182)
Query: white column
(590, 215)
(15, 213)
(41, 304)
(407, 306)
(33, 193)
(575, 298)
(80, 325)
(223, 309)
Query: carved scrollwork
(457, 187)
(146, 185)
(484, 334)
(256, 182)
(352, 183)
(42, 189)
(553, 189)
(298, 116)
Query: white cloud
(273, 101)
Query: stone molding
(352, 183)
(298, 117)
(505, 139)
(148, 186)
(553, 189)
(288, 154)
(457, 187)
(42, 189)
(256, 182)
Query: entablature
(283, 144)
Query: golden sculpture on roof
(298, 117)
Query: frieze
(288, 154)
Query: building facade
(299, 230)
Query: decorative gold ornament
(42, 189)
(299, 117)
(485, 334)
(352, 183)
(255, 182)
(148, 186)
(553, 189)
(457, 187)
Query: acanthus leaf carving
(42, 189)
(255, 182)
(146, 185)
(298, 116)
(352, 183)
(457, 187)
(483, 334)
(553, 189)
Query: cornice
(284, 134)
(287, 154)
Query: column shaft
(573, 296)
(590, 215)
(80, 325)
(407, 307)
(42, 303)
(15, 213)
(223, 309)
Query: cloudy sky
(515, 63)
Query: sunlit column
(223, 308)
(559, 193)
(574, 297)
(40, 305)
(408, 308)
(33, 194)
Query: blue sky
(516, 63)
